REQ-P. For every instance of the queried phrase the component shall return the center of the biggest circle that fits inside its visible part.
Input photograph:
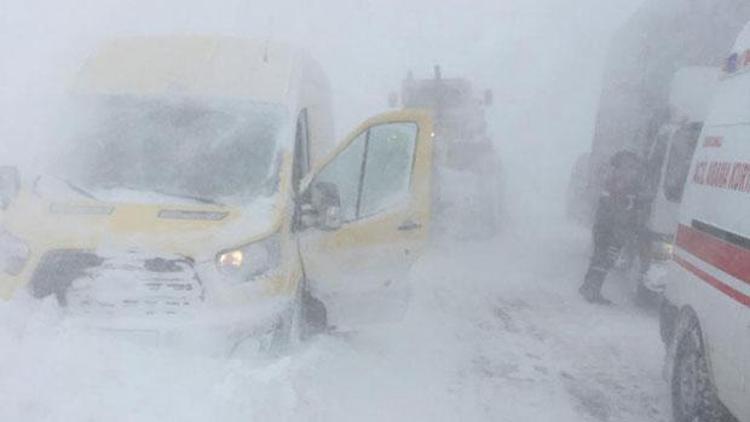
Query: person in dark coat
(617, 219)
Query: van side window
(679, 160)
(388, 167)
(301, 150)
(345, 171)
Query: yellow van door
(357, 257)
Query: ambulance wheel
(645, 297)
(693, 394)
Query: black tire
(668, 315)
(694, 396)
(289, 330)
(314, 316)
(282, 336)
(306, 318)
(645, 297)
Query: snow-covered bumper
(206, 331)
(158, 300)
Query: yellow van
(199, 198)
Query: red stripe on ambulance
(725, 256)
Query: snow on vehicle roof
(691, 92)
(190, 65)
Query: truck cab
(468, 178)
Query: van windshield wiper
(79, 189)
(195, 198)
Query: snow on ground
(495, 332)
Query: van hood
(195, 231)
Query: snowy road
(495, 332)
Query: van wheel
(314, 316)
(693, 394)
(282, 336)
(290, 327)
(306, 318)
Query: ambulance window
(301, 150)
(656, 160)
(345, 172)
(680, 158)
(388, 167)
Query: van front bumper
(163, 301)
(211, 332)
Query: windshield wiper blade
(79, 189)
(196, 198)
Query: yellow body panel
(361, 270)
(187, 66)
(203, 66)
(421, 189)
(46, 225)
(420, 207)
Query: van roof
(190, 65)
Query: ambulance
(197, 199)
(705, 317)
(668, 163)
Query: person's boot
(591, 290)
(599, 299)
(586, 292)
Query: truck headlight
(14, 253)
(251, 261)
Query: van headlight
(14, 253)
(251, 261)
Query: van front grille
(128, 283)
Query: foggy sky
(542, 58)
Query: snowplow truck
(467, 189)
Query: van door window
(680, 158)
(388, 167)
(301, 150)
(345, 171)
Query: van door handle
(409, 225)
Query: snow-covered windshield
(204, 150)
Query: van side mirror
(10, 185)
(488, 97)
(324, 207)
